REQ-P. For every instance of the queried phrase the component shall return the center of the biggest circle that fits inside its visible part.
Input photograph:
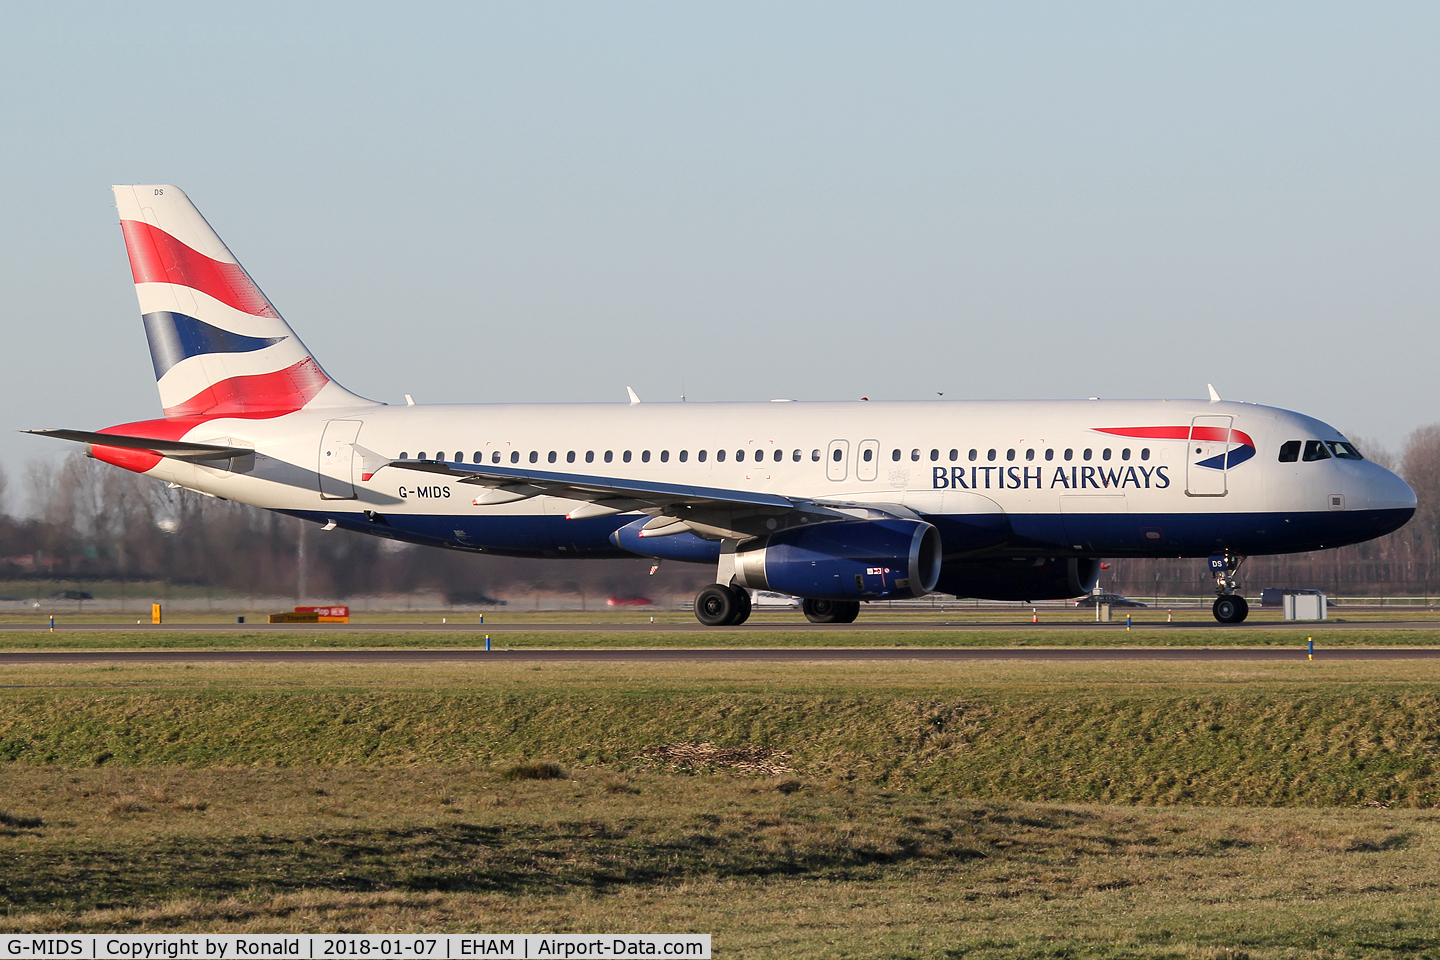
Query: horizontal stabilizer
(174, 449)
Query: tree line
(87, 521)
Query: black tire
(742, 606)
(1231, 609)
(716, 606)
(831, 611)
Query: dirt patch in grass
(707, 756)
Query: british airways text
(1033, 478)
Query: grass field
(978, 810)
(777, 634)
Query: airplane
(836, 503)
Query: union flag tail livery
(219, 347)
(835, 503)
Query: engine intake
(844, 560)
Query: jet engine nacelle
(844, 560)
(1044, 579)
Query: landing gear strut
(1229, 606)
(719, 605)
(831, 611)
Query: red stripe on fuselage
(260, 397)
(142, 460)
(157, 257)
(1179, 433)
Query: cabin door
(1207, 455)
(337, 460)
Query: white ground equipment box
(1305, 606)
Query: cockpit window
(1290, 451)
(1344, 450)
(1316, 450)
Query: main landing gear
(831, 611)
(722, 606)
(1229, 606)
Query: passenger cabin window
(867, 454)
(645, 456)
(779, 455)
(1049, 454)
(1144, 453)
(625, 456)
(609, 456)
(739, 456)
(1069, 454)
(684, 455)
(1316, 450)
(1105, 454)
(534, 456)
(589, 456)
(404, 455)
(1010, 454)
(894, 454)
(934, 455)
(990, 454)
(915, 454)
(551, 457)
(479, 457)
(664, 456)
(1030, 454)
(815, 455)
(954, 454)
(514, 456)
(420, 455)
(839, 455)
(495, 457)
(1290, 451)
(719, 456)
(700, 456)
(796, 455)
(1087, 453)
(1125, 454)
(570, 457)
(1343, 450)
(974, 454)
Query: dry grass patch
(533, 770)
(770, 870)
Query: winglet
(1214, 397)
(634, 397)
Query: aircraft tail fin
(219, 347)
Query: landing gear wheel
(715, 606)
(721, 606)
(831, 611)
(742, 606)
(1231, 609)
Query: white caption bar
(308, 946)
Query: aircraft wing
(175, 449)
(708, 511)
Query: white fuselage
(998, 478)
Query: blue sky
(742, 201)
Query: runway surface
(790, 655)
(759, 628)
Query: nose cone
(1385, 491)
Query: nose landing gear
(1231, 609)
(1229, 606)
